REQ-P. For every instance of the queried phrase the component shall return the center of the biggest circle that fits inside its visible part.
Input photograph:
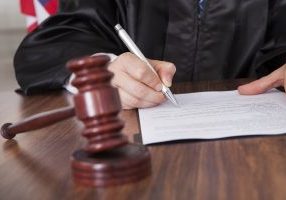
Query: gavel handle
(37, 121)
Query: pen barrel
(133, 47)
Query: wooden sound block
(125, 164)
(111, 174)
(94, 182)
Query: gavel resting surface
(107, 158)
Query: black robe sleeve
(83, 30)
(273, 53)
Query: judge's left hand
(273, 80)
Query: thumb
(273, 80)
(165, 70)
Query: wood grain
(37, 166)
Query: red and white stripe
(36, 11)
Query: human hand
(273, 80)
(138, 86)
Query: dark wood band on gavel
(37, 121)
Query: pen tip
(173, 100)
(176, 103)
(169, 95)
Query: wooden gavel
(97, 105)
(107, 158)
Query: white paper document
(212, 115)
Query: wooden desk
(36, 165)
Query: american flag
(36, 11)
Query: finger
(137, 89)
(139, 70)
(131, 102)
(166, 71)
(273, 80)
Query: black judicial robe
(233, 39)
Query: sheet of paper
(211, 115)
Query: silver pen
(134, 49)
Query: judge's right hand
(138, 86)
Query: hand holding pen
(138, 86)
(164, 88)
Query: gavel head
(107, 159)
(97, 103)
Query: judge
(185, 40)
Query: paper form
(212, 115)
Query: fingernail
(158, 87)
(168, 82)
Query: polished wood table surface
(36, 165)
